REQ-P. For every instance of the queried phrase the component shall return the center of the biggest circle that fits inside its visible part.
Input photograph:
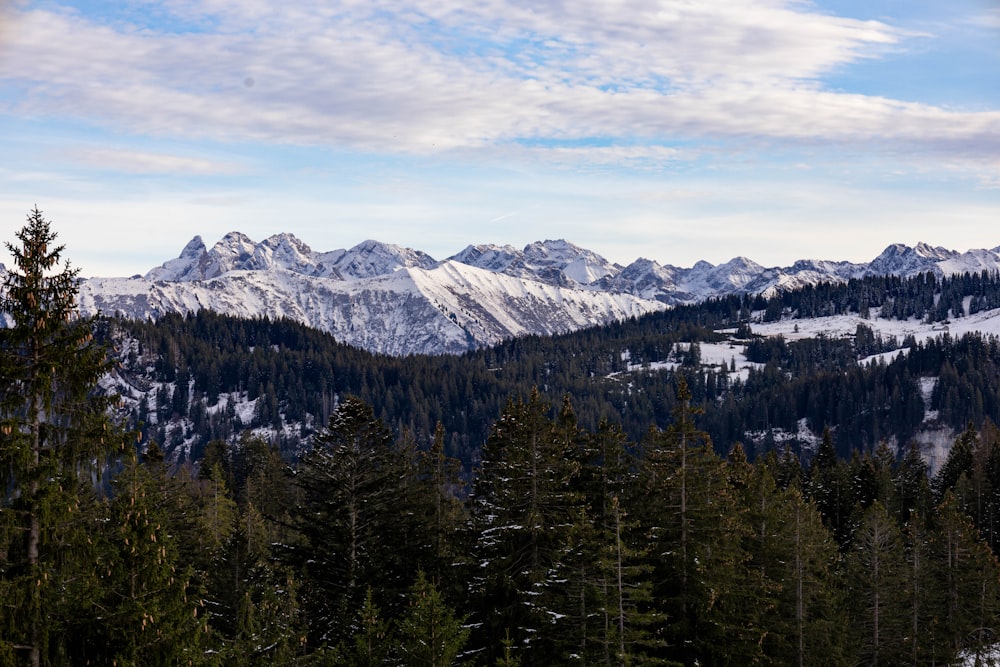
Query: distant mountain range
(399, 301)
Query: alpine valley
(269, 337)
(398, 301)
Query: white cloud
(391, 76)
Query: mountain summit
(396, 300)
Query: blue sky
(672, 130)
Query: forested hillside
(564, 539)
(193, 379)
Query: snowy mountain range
(400, 301)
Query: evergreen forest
(185, 375)
(517, 505)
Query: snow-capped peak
(187, 266)
(557, 262)
(392, 299)
(373, 258)
(902, 259)
(491, 257)
(238, 252)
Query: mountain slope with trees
(189, 380)
(566, 541)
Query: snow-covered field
(986, 322)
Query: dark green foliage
(958, 464)
(347, 485)
(875, 574)
(965, 572)
(357, 491)
(829, 485)
(54, 435)
(149, 611)
(370, 646)
(523, 509)
(620, 619)
(429, 634)
(795, 558)
(710, 600)
(295, 374)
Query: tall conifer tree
(354, 522)
(54, 432)
(524, 506)
(697, 547)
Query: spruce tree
(442, 515)
(54, 434)
(150, 612)
(968, 577)
(621, 627)
(913, 491)
(353, 509)
(371, 643)
(429, 635)
(802, 609)
(524, 506)
(696, 539)
(829, 485)
(876, 575)
(253, 599)
(958, 463)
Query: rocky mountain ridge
(395, 300)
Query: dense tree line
(295, 375)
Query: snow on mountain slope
(674, 285)
(648, 279)
(237, 252)
(492, 307)
(903, 260)
(397, 300)
(732, 277)
(384, 314)
(447, 309)
(554, 262)
(985, 322)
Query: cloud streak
(148, 162)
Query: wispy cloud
(145, 162)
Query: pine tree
(438, 479)
(876, 575)
(353, 503)
(430, 635)
(253, 600)
(796, 556)
(829, 485)
(925, 640)
(913, 491)
(371, 643)
(700, 577)
(54, 430)
(151, 613)
(969, 579)
(524, 506)
(621, 630)
(958, 463)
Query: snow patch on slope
(450, 308)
